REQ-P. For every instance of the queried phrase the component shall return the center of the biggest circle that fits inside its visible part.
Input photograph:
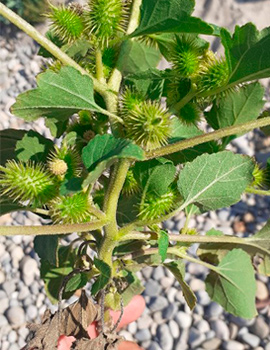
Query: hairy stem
(214, 135)
(257, 191)
(50, 229)
(48, 45)
(110, 208)
(99, 66)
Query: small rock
(132, 327)
(23, 293)
(15, 316)
(213, 310)
(17, 253)
(31, 312)
(143, 335)
(9, 287)
(196, 338)
(171, 294)
(203, 298)
(125, 334)
(260, 328)
(4, 303)
(147, 272)
(2, 277)
(203, 326)
(212, 344)
(197, 284)
(251, 339)
(267, 347)
(239, 226)
(12, 336)
(241, 322)
(174, 329)
(154, 346)
(158, 303)
(233, 330)
(183, 320)
(144, 321)
(158, 273)
(233, 345)
(152, 288)
(249, 217)
(223, 215)
(166, 282)
(157, 317)
(3, 321)
(29, 266)
(170, 311)
(262, 291)
(163, 335)
(221, 329)
(197, 270)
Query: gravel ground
(167, 323)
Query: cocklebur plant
(132, 152)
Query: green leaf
(181, 131)
(233, 284)
(47, 248)
(236, 107)
(70, 186)
(128, 209)
(54, 39)
(215, 181)
(76, 282)
(56, 127)
(54, 276)
(8, 206)
(163, 244)
(163, 16)
(103, 150)
(177, 268)
(155, 175)
(137, 57)
(8, 141)
(58, 95)
(103, 278)
(34, 147)
(247, 52)
(134, 288)
(262, 239)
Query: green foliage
(129, 151)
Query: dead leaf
(73, 320)
(102, 342)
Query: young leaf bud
(27, 182)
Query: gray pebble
(152, 288)
(221, 329)
(12, 336)
(144, 321)
(29, 266)
(143, 335)
(158, 273)
(241, 322)
(212, 344)
(157, 317)
(15, 316)
(203, 326)
(196, 338)
(174, 329)
(233, 330)
(4, 303)
(196, 269)
(31, 312)
(154, 346)
(164, 338)
(267, 347)
(196, 284)
(203, 298)
(171, 294)
(3, 321)
(132, 327)
(2, 277)
(251, 339)
(183, 320)
(260, 328)
(170, 311)
(158, 303)
(223, 215)
(213, 310)
(147, 272)
(23, 293)
(166, 282)
(233, 345)
(14, 347)
(9, 287)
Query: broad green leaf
(137, 57)
(103, 150)
(54, 39)
(8, 141)
(34, 147)
(56, 127)
(46, 248)
(181, 131)
(8, 206)
(58, 95)
(216, 180)
(54, 276)
(163, 244)
(128, 209)
(233, 284)
(104, 277)
(247, 52)
(155, 175)
(163, 16)
(70, 186)
(127, 247)
(177, 268)
(237, 107)
(78, 281)
(134, 288)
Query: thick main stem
(211, 136)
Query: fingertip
(127, 345)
